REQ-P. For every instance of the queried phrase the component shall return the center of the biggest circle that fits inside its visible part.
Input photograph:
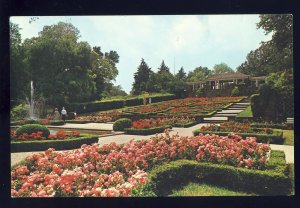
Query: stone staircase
(229, 113)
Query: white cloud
(193, 40)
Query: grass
(194, 189)
(247, 113)
(292, 177)
(289, 137)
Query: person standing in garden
(63, 114)
(56, 114)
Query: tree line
(146, 80)
(62, 68)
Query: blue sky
(190, 40)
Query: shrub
(19, 112)
(273, 181)
(235, 91)
(63, 144)
(57, 123)
(32, 128)
(121, 124)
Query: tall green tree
(64, 69)
(222, 68)
(275, 55)
(141, 78)
(181, 75)
(19, 76)
(164, 78)
(198, 74)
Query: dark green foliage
(235, 91)
(30, 128)
(121, 124)
(141, 78)
(273, 125)
(57, 123)
(186, 125)
(146, 131)
(275, 138)
(95, 106)
(272, 181)
(42, 145)
(200, 92)
(19, 112)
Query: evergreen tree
(141, 78)
(181, 75)
(163, 68)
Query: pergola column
(256, 82)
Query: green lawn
(247, 113)
(292, 177)
(289, 137)
(194, 189)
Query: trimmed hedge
(42, 145)
(57, 123)
(287, 126)
(121, 124)
(272, 181)
(275, 138)
(113, 104)
(32, 128)
(146, 131)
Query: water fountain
(33, 113)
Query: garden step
(225, 114)
(236, 109)
(241, 103)
(215, 119)
(230, 111)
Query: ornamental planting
(118, 170)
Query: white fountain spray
(31, 103)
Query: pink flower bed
(116, 170)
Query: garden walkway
(122, 138)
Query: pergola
(222, 80)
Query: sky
(187, 41)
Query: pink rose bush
(117, 170)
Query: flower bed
(148, 131)
(174, 175)
(185, 107)
(102, 117)
(61, 141)
(264, 135)
(36, 136)
(119, 170)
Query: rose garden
(224, 133)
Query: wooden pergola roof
(228, 76)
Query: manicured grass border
(272, 181)
(27, 146)
(247, 113)
(146, 131)
(275, 138)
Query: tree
(113, 56)
(141, 78)
(164, 78)
(275, 55)
(181, 75)
(65, 70)
(19, 76)
(198, 74)
(222, 68)
(112, 90)
(163, 68)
